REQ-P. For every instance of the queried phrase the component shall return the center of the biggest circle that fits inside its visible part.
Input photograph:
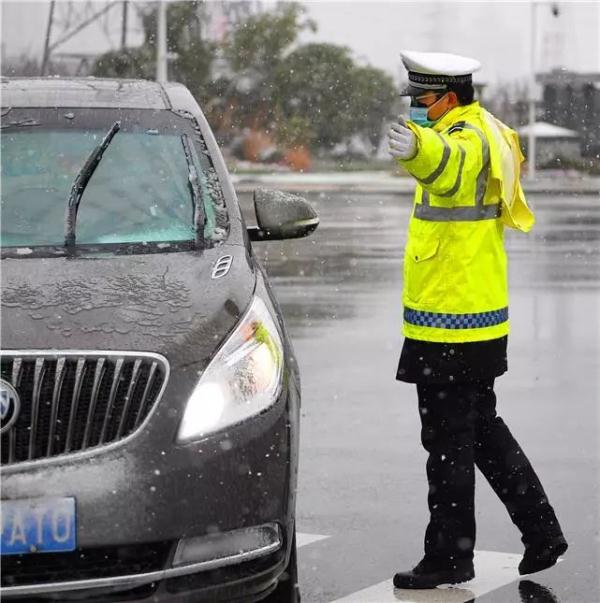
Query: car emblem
(222, 266)
(10, 404)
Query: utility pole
(46, 56)
(597, 39)
(555, 8)
(124, 25)
(161, 43)
(531, 90)
(70, 34)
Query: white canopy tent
(542, 129)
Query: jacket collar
(460, 113)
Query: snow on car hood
(167, 303)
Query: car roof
(88, 92)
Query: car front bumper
(152, 491)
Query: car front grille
(83, 564)
(74, 401)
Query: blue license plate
(38, 525)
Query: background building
(554, 144)
(572, 100)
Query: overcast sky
(497, 33)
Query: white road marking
(492, 570)
(304, 539)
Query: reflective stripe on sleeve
(441, 165)
(460, 213)
(482, 177)
(458, 181)
(442, 320)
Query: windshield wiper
(81, 181)
(195, 189)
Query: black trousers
(461, 430)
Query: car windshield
(139, 193)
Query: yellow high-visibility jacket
(467, 167)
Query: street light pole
(531, 87)
(161, 43)
(124, 25)
(46, 56)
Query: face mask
(418, 115)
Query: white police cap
(435, 70)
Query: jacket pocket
(422, 271)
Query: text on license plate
(38, 525)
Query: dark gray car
(149, 395)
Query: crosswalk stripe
(492, 571)
(303, 539)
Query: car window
(139, 193)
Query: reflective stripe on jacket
(467, 168)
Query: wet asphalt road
(362, 475)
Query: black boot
(429, 574)
(531, 592)
(542, 555)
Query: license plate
(38, 525)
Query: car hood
(168, 303)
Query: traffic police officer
(467, 166)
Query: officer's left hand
(402, 141)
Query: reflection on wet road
(362, 476)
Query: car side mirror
(281, 215)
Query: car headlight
(243, 379)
